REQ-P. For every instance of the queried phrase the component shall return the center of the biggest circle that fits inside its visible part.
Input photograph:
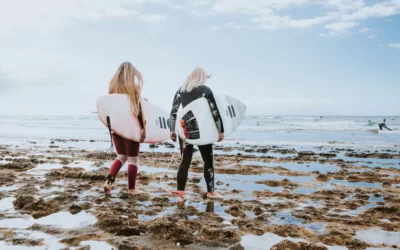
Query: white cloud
(364, 30)
(340, 16)
(152, 18)
(49, 15)
(30, 67)
(394, 45)
(341, 27)
(372, 36)
(214, 28)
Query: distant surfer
(192, 89)
(383, 125)
(124, 82)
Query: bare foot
(214, 195)
(107, 187)
(181, 198)
(135, 191)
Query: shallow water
(97, 245)
(64, 220)
(377, 236)
(306, 167)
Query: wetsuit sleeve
(214, 110)
(175, 106)
(141, 119)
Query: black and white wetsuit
(205, 150)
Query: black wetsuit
(205, 150)
(383, 125)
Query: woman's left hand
(142, 135)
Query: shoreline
(331, 196)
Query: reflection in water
(210, 207)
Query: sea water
(348, 131)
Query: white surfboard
(125, 124)
(199, 122)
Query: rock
(322, 177)
(127, 231)
(37, 208)
(219, 183)
(195, 180)
(258, 210)
(18, 165)
(169, 229)
(74, 209)
(289, 245)
(235, 210)
(7, 178)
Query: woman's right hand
(221, 137)
(142, 135)
(172, 135)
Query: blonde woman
(192, 89)
(127, 80)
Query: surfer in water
(192, 89)
(383, 125)
(127, 80)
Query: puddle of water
(303, 190)
(50, 190)
(358, 210)
(47, 166)
(356, 184)
(285, 217)
(272, 201)
(67, 220)
(20, 223)
(6, 204)
(377, 236)
(268, 240)
(63, 220)
(376, 199)
(8, 188)
(307, 167)
(97, 244)
(86, 165)
(213, 207)
(316, 226)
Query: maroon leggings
(125, 149)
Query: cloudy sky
(281, 57)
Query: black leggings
(207, 155)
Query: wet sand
(275, 198)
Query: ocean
(291, 131)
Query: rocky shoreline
(327, 198)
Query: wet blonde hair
(197, 78)
(124, 82)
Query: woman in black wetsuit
(192, 89)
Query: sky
(280, 57)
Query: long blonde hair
(197, 78)
(123, 82)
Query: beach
(288, 183)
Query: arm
(141, 117)
(175, 106)
(214, 110)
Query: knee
(133, 160)
(122, 158)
